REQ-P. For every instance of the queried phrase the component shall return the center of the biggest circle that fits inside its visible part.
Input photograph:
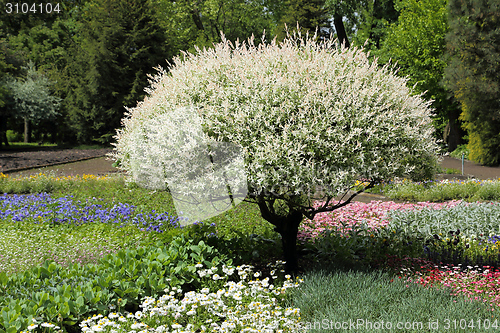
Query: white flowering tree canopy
(280, 120)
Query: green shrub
(13, 136)
(461, 149)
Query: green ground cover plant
(24, 145)
(80, 287)
(363, 301)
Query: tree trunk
(27, 130)
(340, 29)
(288, 227)
(453, 133)
(3, 131)
(3, 137)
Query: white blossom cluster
(243, 306)
(288, 118)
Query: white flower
(136, 326)
(160, 329)
(97, 328)
(32, 327)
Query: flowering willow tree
(280, 125)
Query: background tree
(48, 47)
(473, 74)
(32, 100)
(272, 102)
(10, 63)
(43, 39)
(346, 15)
(4, 93)
(118, 44)
(417, 43)
(308, 14)
(200, 22)
(373, 22)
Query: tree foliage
(310, 120)
(372, 23)
(189, 23)
(309, 15)
(417, 43)
(345, 17)
(118, 43)
(32, 99)
(473, 43)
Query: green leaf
(80, 301)
(11, 329)
(3, 278)
(52, 267)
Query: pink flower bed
(348, 217)
(476, 284)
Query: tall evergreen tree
(118, 44)
(473, 43)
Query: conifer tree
(118, 44)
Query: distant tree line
(68, 76)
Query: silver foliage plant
(282, 119)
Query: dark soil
(16, 161)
